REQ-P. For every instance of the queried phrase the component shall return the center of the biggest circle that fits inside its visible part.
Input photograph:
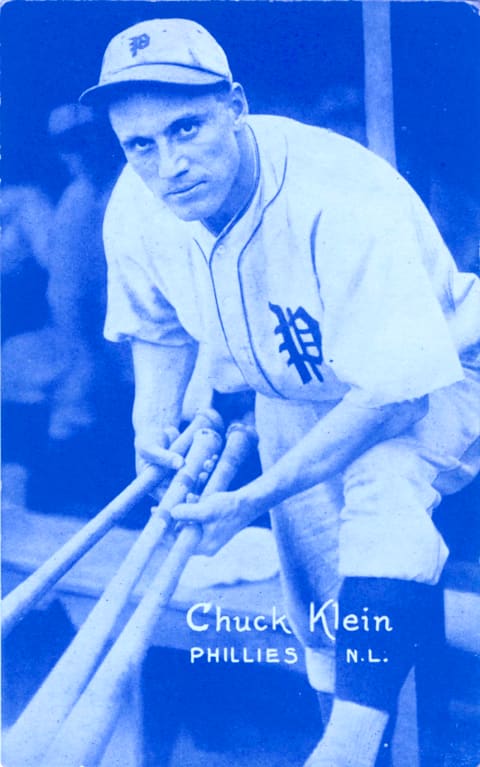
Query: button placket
(231, 312)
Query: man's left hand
(221, 516)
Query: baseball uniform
(332, 282)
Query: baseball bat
(29, 592)
(37, 725)
(84, 736)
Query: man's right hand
(148, 452)
(157, 452)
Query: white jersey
(333, 280)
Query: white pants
(374, 520)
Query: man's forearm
(332, 444)
(162, 375)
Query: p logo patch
(139, 43)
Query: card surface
(217, 674)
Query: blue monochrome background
(67, 438)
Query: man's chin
(186, 214)
(189, 212)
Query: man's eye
(187, 129)
(139, 145)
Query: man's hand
(221, 516)
(156, 452)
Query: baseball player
(295, 263)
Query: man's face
(183, 147)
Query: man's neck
(242, 188)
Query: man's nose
(172, 160)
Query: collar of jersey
(271, 146)
(270, 155)
(253, 189)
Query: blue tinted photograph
(240, 384)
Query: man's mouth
(184, 190)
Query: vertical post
(380, 128)
(379, 110)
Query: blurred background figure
(26, 215)
(59, 420)
(88, 456)
(76, 288)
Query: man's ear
(238, 105)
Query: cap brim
(166, 74)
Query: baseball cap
(174, 51)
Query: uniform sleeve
(384, 332)
(136, 306)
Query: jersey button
(221, 250)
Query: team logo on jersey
(139, 43)
(302, 340)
